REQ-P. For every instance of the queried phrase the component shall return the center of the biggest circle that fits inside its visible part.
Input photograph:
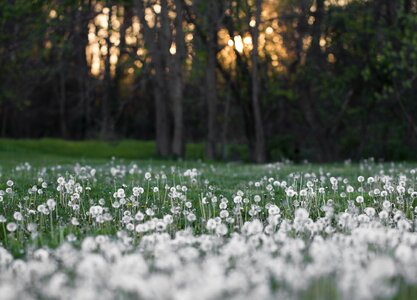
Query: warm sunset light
(270, 41)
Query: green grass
(47, 153)
(87, 149)
(12, 150)
(226, 178)
(216, 177)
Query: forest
(230, 149)
(323, 80)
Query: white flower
(224, 214)
(221, 229)
(96, 210)
(120, 193)
(191, 217)
(17, 216)
(290, 192)
(12, 227)
(370, 211)
(273, 210)
(139, 216)
(237, 199)
(301, 214)
(387, 205)
(383, 215)
(149, 212)
(255, 227)
(51, 204)
(211, 224)
(168, 219)
(403, 225)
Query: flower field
(194, 230)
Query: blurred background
(301, 79)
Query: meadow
(96, 220)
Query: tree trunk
(3, 115)
(107, 126)
(211, 84)
(259, 145)
(83, 16)
(306, 88)
(225, 126)
(62, 102)
(315, 51)
(156, 41)
(176, 83)
(162, 122)
(407, 6)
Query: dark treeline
(316, 79)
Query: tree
(259, 147)
(211, 80)
(176, 82)
(157, 43)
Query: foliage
(337, 78)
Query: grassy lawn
(45, 150)
(53, 148)
(302, 231)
